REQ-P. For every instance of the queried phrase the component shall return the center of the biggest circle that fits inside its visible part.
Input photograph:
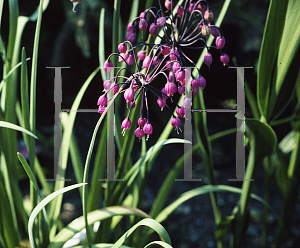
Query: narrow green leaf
(163, 215)
(16, 127)
(145, 222)
(94, 216)
(268, 52)
(41, 205)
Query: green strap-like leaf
(16, 127)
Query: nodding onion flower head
(181, 29)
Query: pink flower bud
(176, 67)
(139, 133)
(142, 122)
(208, 16)
(161, 103)
(220, 42)
(180, 112)
(180, 10)
(161, 21)
(131, 36)
(131, 104)
(168, 64)
(122, 47)
(146, 62)
(195, 86)
(115, 88)
(224, 59)
(148, 129)
(143, 25)
(170, 88)
(173, 54)
(207, 59)
(214, 31)
(141, 54)
(102, 101)
(168, 4)
(175, 122)
(201, 82)
(124, 55)
(129, 94)
(180, 75)
(171, 76)
(180, 90)
(130, 59)
(126, 124)
(200, 27)
(155, 60)
(130, 27)
(108, 66)
(106, 84)
(153, 29)
(164, 93)
(165, 50)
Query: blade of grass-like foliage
(163, 215)
(8, 229)
(268, 52)
(162, 244)
(145, 222)
(288, 62)
(41, 205)
(94, 216)
(9, 73)
(16, 127)
(56, 203)
(101, 246)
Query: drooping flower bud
(161, 103)
(168, 4)
(108, 66)
(142, 122)
(164, 93)
(106, 84)
(146, 62)
(176, 122)
(176, 67)
(155, 60)
(114, 88)
(214, 31)
(180, 10)
(170, 88)
(129, 94)
(126, 124)
(139, 133)
(165, 50)
(224, 59)
(180, 90)
(102, 101)
(171, 76)
(131, 36)
(191, 7)
(130, 27)
(153, 29)
(206, 31)
(130, 59)
(180, 75)
(148, 129)
(161, 21)
(208, 15)
(220, 42)
(173, 54)
(143, 25)
(141, 54)
(122, 47)
(201, 82)
(208, 59)
(180, 112)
